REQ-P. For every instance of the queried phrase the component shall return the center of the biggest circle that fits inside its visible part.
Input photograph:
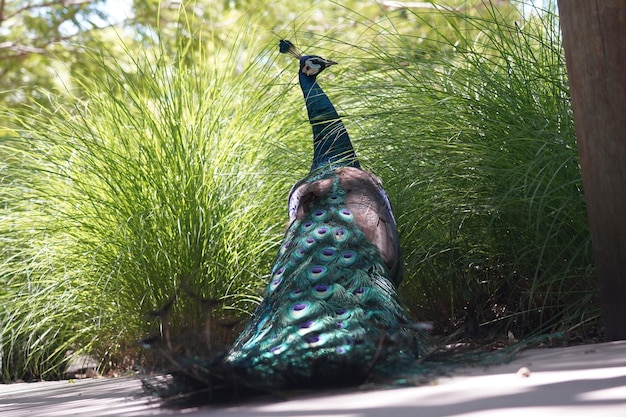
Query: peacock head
(310, 65)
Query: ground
(575, 381)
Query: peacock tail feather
(330, 304)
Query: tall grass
(473, 133)
(153, 189)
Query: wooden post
(594, 36)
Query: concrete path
(583, 381)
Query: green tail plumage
(330, 304)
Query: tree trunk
(594, 36)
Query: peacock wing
(368, 202)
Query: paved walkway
(583, 381)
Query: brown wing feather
(304, 193)
(368, 202)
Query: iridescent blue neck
(331, 143)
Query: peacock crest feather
(330, 309)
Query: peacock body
(330, 311)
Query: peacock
(330, 312)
